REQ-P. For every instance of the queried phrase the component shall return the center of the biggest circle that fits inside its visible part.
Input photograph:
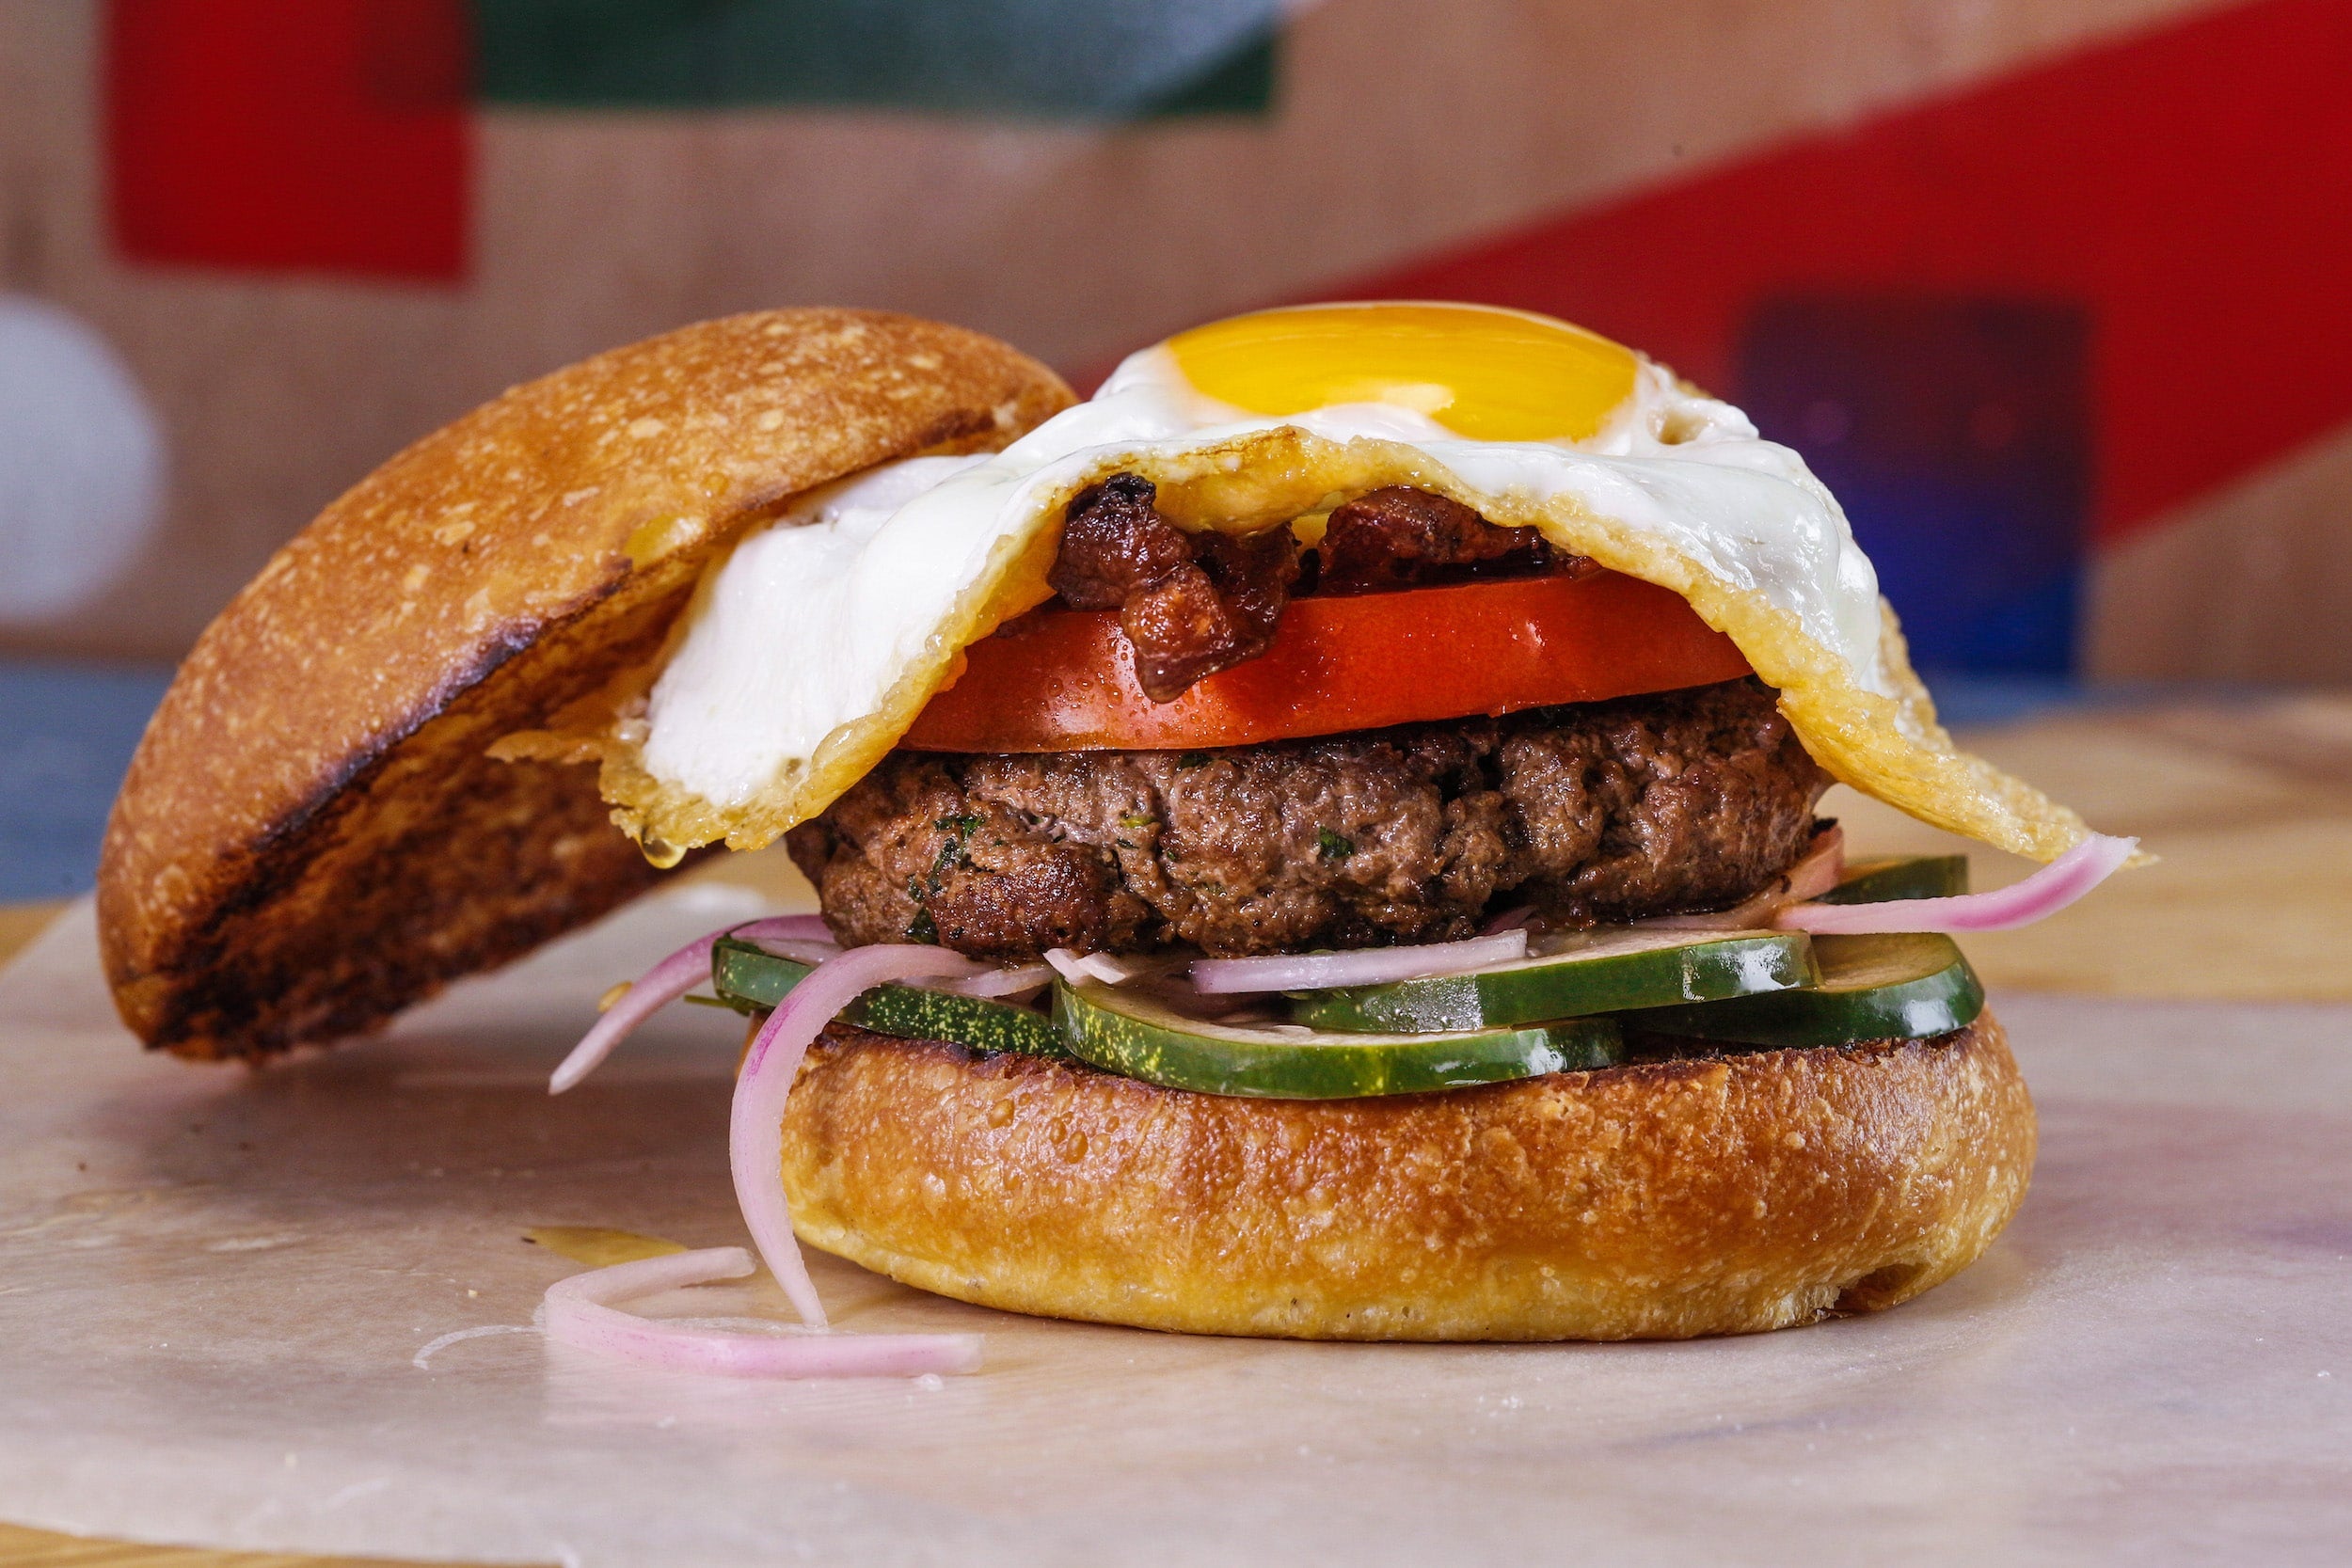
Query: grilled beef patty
(1597, 812)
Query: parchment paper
(213, 1284)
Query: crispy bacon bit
(1116, 545)
(1192, 603)
(1189, 604)
(1399, 538)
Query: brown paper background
(1400, 129)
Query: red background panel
(326, 135)
(2192, 188)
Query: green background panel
(1065, 59)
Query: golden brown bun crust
(1656, 1201)
(311, 836)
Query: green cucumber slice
(1135, 1035)
(752, 979)
(1884, 878)
(1589, 974)
(1904, 986)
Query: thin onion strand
(663, 983)
(582, 1311)
(756, 1120)
(2043, 894)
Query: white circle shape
(81, 463)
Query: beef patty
(1597, 813)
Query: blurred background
(2057, 295)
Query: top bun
(313, 834)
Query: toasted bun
(312, 835)
(1659, 1201)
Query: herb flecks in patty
(1601, 812)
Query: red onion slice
(1820, 869)
(1367, 966)
(1509, 920)
(1019, 980)
(2046, 892)
(581, 1312)
(784, 927)
(809, 953)
(1078, 968)
(663, 983)
(756, 1124)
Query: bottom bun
(1659, 1200)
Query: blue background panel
(67, 732)
(1957, 433)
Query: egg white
(809, 624)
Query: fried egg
(810, 649)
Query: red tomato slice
(1067, 683)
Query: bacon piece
(1189, 604)
(1115, 545)
(1192, 603)
(1398, 537)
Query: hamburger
(1317, 840)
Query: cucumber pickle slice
(1138, 1036)
(1772, 990)
(1615, 972)
(750, 978)
(1886, 878)
(1902, 986)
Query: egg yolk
(1487, 374)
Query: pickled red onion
(1815, 873)
(581, 1312)
(809, 953)
(1018, 980)
(1366, 966)
(2046, 892)
(1077, 968)
(783, 927)
(663, 983)
(756, 1123)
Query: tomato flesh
(1065, 681)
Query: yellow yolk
(1486, 374)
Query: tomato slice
(1066, 682)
